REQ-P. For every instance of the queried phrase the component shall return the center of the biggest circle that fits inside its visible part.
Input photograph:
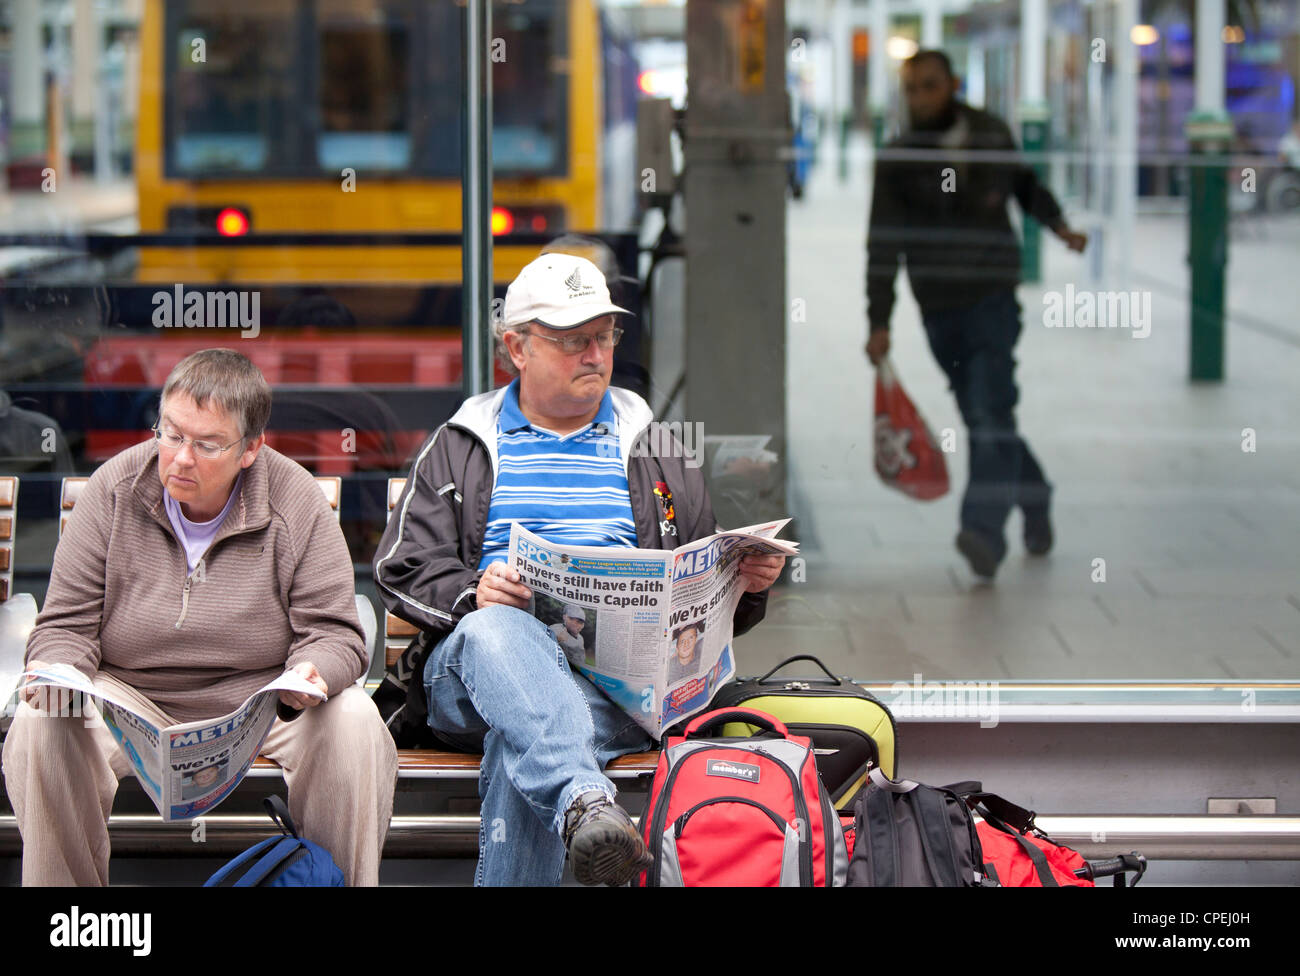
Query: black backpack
(400, 699)
(912, 835)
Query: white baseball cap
(561, 291)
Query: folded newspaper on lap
(650, 627)
(186, 769)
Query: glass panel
(1175, 500)
(365, 87)
(528, 90)
(234, 87)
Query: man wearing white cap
(568, 457)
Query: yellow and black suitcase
(852, 730)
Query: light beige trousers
(61, 773)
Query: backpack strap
(278, 811)
(226, 877)
(881, 837)
(935, 837)
(282, 851)
(1006, 811)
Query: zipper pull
(185, 601)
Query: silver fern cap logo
(577, 289)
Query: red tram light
(232, 222)
(503, 221)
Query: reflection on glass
(233, 91)
(364, 91)
(1186, 492)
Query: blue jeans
(973, 347)
(500, 683)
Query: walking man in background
(940, 204)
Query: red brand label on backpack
(721, 767)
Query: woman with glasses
(196, 567)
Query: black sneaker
(604, 846)
(1038, 532)
(979, 552)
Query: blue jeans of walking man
(973, 346)
(500, 682)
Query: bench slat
(456, 765)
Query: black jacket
(943, 209)
(425, 563)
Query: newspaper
(186, 769)
(651, 628)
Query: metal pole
(1124, 160)
(1209, 133)
(1034, 116)
(931, 24)
(842, 89)
(476, 202)
(878, 70)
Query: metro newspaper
(652, 628)
(186, 769)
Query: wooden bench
(8, 508)
(429, 764)
(434, 764)
(398, 633)
(454, 835)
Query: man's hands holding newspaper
(501, 584)
(761, 571)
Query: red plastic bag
(907, 456)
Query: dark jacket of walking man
(940, 205)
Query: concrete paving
(1200, 538)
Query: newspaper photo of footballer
(686, 652)
(199, 781)
(574, 629)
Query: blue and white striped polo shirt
(570, 490)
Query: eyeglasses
(204, 449)
(572, 345)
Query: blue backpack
(287, 861)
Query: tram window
(530, 89)
(230, 86)
(527, 126)
(364, 84)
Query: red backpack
(741, 812)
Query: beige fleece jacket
(274, 589)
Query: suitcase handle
(750, 716)
(800, 657)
